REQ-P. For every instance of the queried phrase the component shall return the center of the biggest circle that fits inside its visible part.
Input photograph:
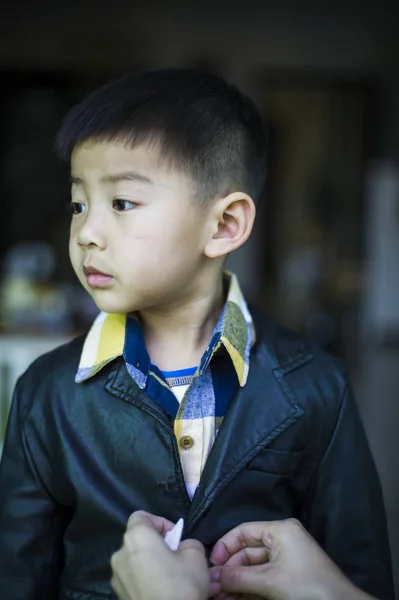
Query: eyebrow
(117, 177)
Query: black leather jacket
(80, 458)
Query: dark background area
(323, 258)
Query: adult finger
(143, 537)
(190, 545)
(257, 533)
(249, 556)
(141, 517)
(118, 587)
(244, 580)
(247, 534)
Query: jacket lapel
(261, 410)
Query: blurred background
(324, 256)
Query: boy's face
(137, 238)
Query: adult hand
(146, 569)
(276, 560)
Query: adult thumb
(245, 580)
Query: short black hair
(202, 124)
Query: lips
(96, 278)
(89, 270)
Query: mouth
(96, 278)
(89, 270)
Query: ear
(232, 219)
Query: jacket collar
(107, 339)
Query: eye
(123, 205)
(77, 208)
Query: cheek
(72, 242)
(72, 235)
(176, 229)
(73, 250)
(161, 240)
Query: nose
(91, 232)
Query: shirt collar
(111, 336)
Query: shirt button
(186, 442)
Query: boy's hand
(276, 560)
(145, 569)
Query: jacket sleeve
(344, 508)
(31, 525)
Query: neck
(176, 336)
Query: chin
(115, 305)
(113, 308)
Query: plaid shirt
(223, 366)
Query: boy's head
(166, 166)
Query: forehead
(96, 155)
(101, 161)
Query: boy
(179, 401)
